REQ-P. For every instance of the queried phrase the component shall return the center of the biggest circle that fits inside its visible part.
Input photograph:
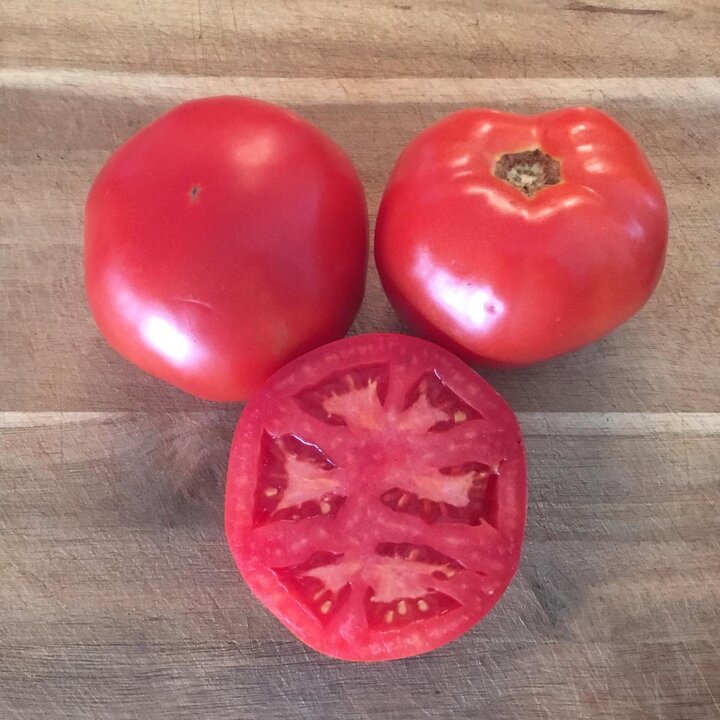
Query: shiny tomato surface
(512, 239)
(221, 240)
(376, 497)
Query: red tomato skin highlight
(503, 279)
(223, 239)
(272, 407)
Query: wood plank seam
(533, 423)
(363, 90)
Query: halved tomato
(376, 497)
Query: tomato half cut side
(376, 497)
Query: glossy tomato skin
(505, 278)
(376, 497)
(221, 240)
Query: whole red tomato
(223, 239)
(512, 239)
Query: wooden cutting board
(118, 598)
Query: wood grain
(119, 599)
(324, 38)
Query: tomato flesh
(376, 497)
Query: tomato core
(528, 171)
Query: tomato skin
(471, 262)
(362, 517)
(221, 240)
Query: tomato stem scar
(529, 171)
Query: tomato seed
(402, 608)
(389, 616)
(325, 508)
(325, 607)
(422, 606)
(271, 491)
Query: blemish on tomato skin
(194, 193)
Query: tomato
(376, 497)
(512, 239)
(223, 239)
